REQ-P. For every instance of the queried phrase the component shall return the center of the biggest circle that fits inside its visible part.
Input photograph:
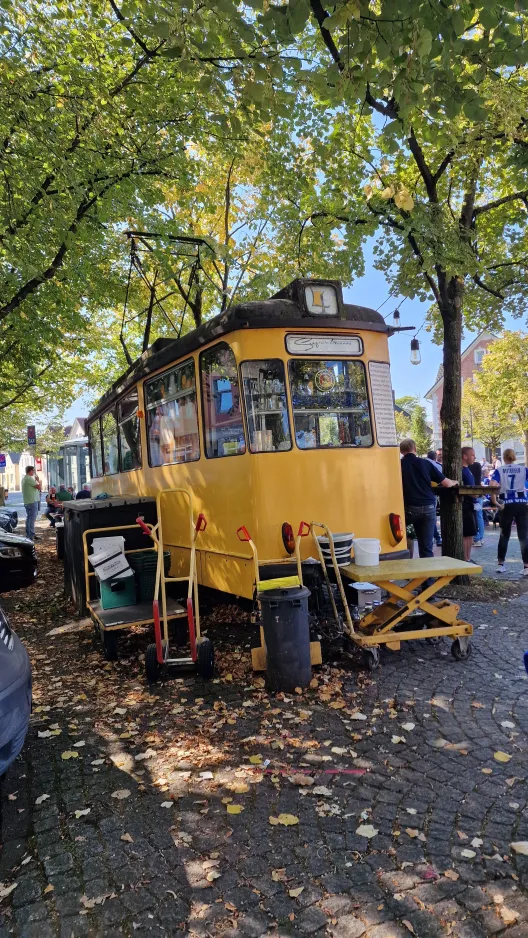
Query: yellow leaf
(214, 874)
(404, 200)
(226, 800)
(127, 838)
(69, 754)
(255, 760)
(337, 704)
(501, 756)
(487, 771)
(235, 808)
(451, 875)
(295, 892)
(278, 875)
(286, 819)
(49, 888)
(238, 787)
(387, 193)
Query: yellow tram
(272, 413)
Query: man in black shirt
(419, 498)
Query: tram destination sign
(306, 343)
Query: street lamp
(415, 352)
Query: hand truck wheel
(371, 658)
(459, 652)
(205, 658)
(154, 671)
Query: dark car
(18, 562)
(15, 694)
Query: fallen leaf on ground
(408, 726)
(127, 838)
(295, 892)
(451, 875)
(255, 760)
(49, 888)
(83, 812)
(397, 739)
(69, 754)
(337, 704)
(41, 798)
(501, 756)
(477, 842)
(214, 874)
(286, 819)
(468, 853)
(408, 925)
(507, 724)
(121, 793)
(80, 744)
(366, 830)
(167, 804)
(278, 875)
(520, 846)
(508, 915)
(322, 790)
(303, 780)
(487, 771)
(235, 808)
(6, 890)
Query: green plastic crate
(144, 565)
(117, 591)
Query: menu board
(382, 402)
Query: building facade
(471, 361)
(70, 467)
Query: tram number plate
(305, 343)
(382, 401)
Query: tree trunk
(450, 417)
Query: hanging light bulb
(396, 318)
(415, 352)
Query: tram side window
(110, 451)
(330, 404)
(172, 427)
(267, 412)
(129, 437)
(94, 435)
(222, 408)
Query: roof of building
(283, 310)
(484, 335)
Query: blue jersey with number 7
(512, 480)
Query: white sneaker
(477, 543)
(525, 572)
(502, 569)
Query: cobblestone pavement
(150, 812)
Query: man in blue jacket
(419, 498)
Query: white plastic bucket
(342, 548)
(366, 551)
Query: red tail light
(396, 527)
(288, 537)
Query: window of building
(110, 451)
(129, 435)
(330, 404)
(222, 410)
(172, 416)
(479, 355)
(96, 453)
(266, 408)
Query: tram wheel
(459, 653)
(371, 658)
(110, 646)
(205, 659)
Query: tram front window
(330, 404)
(222, 409)
(94, 435)
(172, 417)
(109, 430)
(266, 408)
(129, 437)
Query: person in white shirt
(511, 480)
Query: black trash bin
(287, 637)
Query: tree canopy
(502, 380)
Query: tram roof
(278, 312)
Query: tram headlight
(288, 537)
(396, 527)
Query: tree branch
(26, 388)
(321, 15)
(425, 172)
(485, 287)
(513, 197)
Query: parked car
(15, 694)
(8, 519)
(18, 562)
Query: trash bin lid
(284, 595)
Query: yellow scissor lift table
(378, 627)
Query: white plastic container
(366, 551)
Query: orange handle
(246, 536)
(302, 532)
(201, 522)
(146, 529)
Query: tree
(431, 99)
(481, 417)
(503, 380)
(420, 431)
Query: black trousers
(519, 514)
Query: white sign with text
(382, 403)
(305, 343)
